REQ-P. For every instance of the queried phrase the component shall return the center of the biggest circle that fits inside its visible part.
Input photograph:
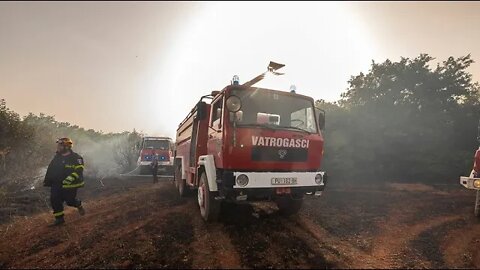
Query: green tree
(405, 121)
(32, 140)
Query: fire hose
(141, 175)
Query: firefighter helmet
(65, 142)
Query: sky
(116, 66)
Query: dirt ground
(131, 223)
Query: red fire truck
(246, 143)
(473, 181)
(163, 148)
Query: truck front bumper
(267, 185)
(470, 182)
(160, 163)
(304, 180)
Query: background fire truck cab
(248, 143)
(163, 148)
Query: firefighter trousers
(154, 174)
(59, 195)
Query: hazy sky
(115, 66)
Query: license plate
(284, 181)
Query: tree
(32, 140)
(406, 121)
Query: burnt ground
(131, 223)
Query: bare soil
(132, 223)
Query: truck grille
(279, 154)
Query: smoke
(109, 156)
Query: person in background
(154, 166)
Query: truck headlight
(242, 180)
(318, 179)
(234, 104)
(476, 183)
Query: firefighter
(64, 176)
(154, 167)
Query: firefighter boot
(81, 210)
(58, 221)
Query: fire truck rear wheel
(180, 183)
(289, 205)
(182, 187)
(209, 207)
(477, 204)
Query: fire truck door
(215, 129)
(193, 144)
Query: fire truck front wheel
(209, 207)
(289, 205)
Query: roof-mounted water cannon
(272, 68)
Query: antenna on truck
(272, 67)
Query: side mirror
(201, 110)
(236, 117)
(321, 120)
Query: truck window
(277, 109)
(217, 113)
(157, 144)
(303, 118)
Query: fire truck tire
(477, 204)
(209, 207)
(181, 187)
(288, 205)
(180, 183)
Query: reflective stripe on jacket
(65, 171)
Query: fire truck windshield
(157, 144)
(274, 110)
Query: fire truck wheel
(209, 207)
(289, 205)
(477, 204)
(181, 186)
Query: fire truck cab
(246, 143)
(163, 148)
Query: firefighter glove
(68, 180)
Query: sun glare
(322, 44)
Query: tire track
(427, 244)
(267, 240)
